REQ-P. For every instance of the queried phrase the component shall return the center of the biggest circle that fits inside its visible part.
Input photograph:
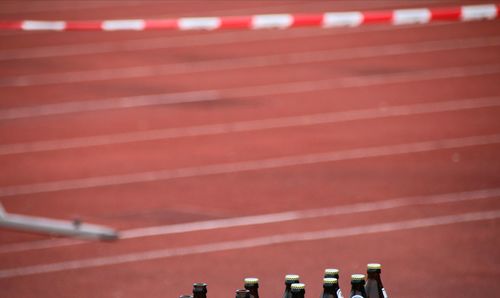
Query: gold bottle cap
(358, 277)
(291, 277)
(374, 266)
(298, 286)
(332, 271)
(251, 280)
(330, 280)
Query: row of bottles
(361, 286)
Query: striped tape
(272, 21)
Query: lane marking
(248, 91)
(251, 243)
(216, 38)
(46, 6)
(244, 166)
(252, 125)
(270, 218)
(247, 62)
(109, 104)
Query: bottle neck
(254, 290)
(298, 294)
(358, 288)
(374, 276)
(330, 289)
(199, 294)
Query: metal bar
(56, 227)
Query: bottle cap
(374, 266)
(331, 271)
(298, 286)
(251, 280)
(358, 277)
(330, 280)
(291, 277)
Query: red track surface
(450, 256)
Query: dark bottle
(298, 290)
(331, 272)
(358, 286)
(242, 294)
(331, 288)
(199, 290)
(252, 285)
(289, 280)
(374, 287)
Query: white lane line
(252, 125)
(213, 39)
(52, 6)
(109, 104)
(251, 243)
(267, 218)
(43, 6)
(248, 91)
(244, 166)
(248, 62)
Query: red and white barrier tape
(280, 21)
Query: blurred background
(224, 154)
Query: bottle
(289, 280)
(334, 273)
(374, 287)
(185, 296)
(242, 294)
(358, 286)
(298, 290)
(331, 288)
(199, 290)
(331, 272)
(252, 285)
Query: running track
(253, 153)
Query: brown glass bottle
(199, 290)
(242, 294)
(252, 285)
(298, 290)
(330, 288)
(374, 287)
(332, 272)
(358, 286)
(289, 280)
